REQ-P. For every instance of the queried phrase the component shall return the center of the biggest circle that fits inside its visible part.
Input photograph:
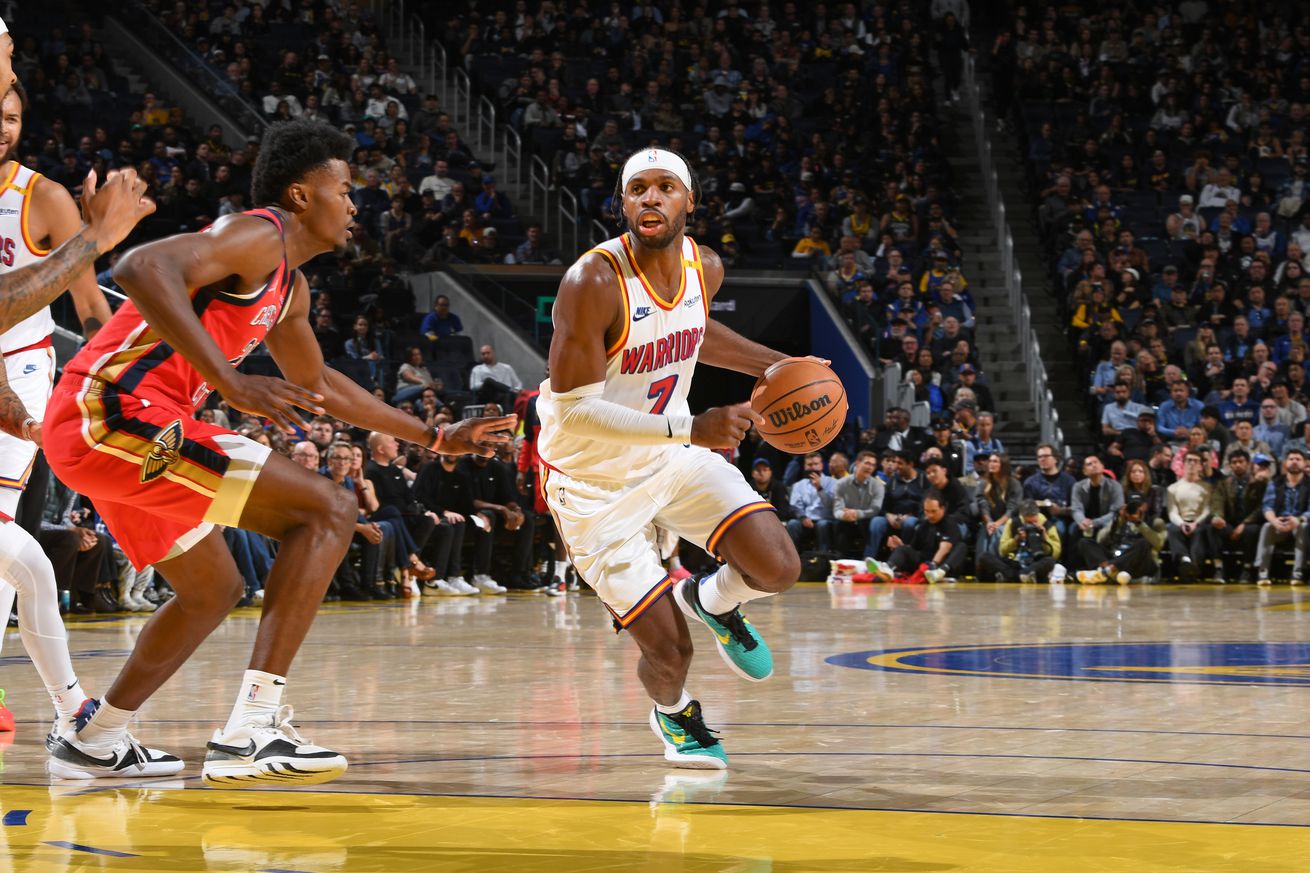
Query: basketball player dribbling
(36, 216)
(121, 430)
(621, 455)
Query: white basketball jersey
(18, 249)
(649, 368)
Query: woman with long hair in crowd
(998, 499)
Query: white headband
(656, 159)
(4, 28)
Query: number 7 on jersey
(662, 392)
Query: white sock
(683, 702)
(106, 727)
(725, 591)
(25, 566)
(259, 697)
(67, 698)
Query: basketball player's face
(11, 126)
(656, 205)
(326, 208)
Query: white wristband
(27, 428)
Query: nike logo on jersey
(29, 369)
(641, 312)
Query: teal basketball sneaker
(740, 646)
(687, 741)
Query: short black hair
(616, 201)
(290, 151)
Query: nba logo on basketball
(812, 437)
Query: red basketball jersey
(129, 354)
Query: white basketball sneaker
(487, 585)
(127, 759)
(268, 750)
(461, 586)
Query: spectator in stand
(1270, 427)
(306, 454)
(440, 322)
(903, 496)
(533, 249)
(1189, 506)
(857, 501)
(1176, 418)
(1236, 510)
(1124, 550)
(1286, 501)
(1051, 488)
(412, 377)
(934, 550)
(494, 382)
(492, 204)
(1121, 414)
(495, 501)
(1028, 549)
(771, 489)
(812, 499)
(371, 346)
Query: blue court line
(78, 847)
(278, 870)
(15, 818)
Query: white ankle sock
(683, 702)
(260, 695)
(106, 727)
(725, 591)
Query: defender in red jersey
(121, 430)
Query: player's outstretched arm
(111, 213)
(297, 353)
(237, 254)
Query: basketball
(803, 404)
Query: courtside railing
(1039, 392)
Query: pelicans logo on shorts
(164, 453)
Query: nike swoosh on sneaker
(239, 751)
(64, 745)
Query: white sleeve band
(584, 413)
(4, 28)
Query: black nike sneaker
(268, 750)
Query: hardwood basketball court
(950, 728)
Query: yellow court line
(194, 830)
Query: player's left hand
(818, 360)
(477, 436)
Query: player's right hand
(115, 209)
(272, 398)
(724, 427)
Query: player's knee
(782, 571)
(670, 656)
(343, 509)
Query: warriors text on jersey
(18, 249)
(128, 354)
(648, 368)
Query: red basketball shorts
(160, 479)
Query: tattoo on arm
(23, 292)
(12, 411)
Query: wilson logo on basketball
(798, 411)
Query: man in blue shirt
(1122, 413)
(811, 504)
(1179, 414)
(1239, 406)
(441, 322)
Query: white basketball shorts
(31, 376)
(611, 531)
